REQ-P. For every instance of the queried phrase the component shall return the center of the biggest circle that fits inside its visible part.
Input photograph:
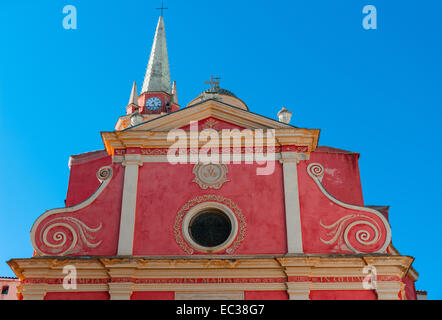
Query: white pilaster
(129, 203)
(120, 291)
(389, 290)
(33, 291)
(292, 207)
(298, 271)
(299, 290)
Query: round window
(210, 228)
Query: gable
(213, 123)
(154, 133)
(226, 115)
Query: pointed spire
(133, 95)
(174, 93)
(158, 75)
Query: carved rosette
(177, 228)
(60, 232)
(210, 124)
(360, 232)
(210, 175)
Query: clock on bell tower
(153, 103)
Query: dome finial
(214, 83)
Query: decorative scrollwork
(55, 235)
(57, 232)
(368, 236)
(104, 173)
(360, 232)
(316, 170)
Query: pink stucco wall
(11, 285)
(163, 189)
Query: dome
(223, 95)
(219, 90)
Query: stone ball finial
(136, 118)
(284, 115)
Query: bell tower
(158, 95)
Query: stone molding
(153, 134)
(298, 274)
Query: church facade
(212, 201)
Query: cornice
(295, 273)
(148, 139)
(212, 262)
(153, 133)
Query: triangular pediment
(213, 123)
(210, 113)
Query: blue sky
(377, 92)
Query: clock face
(153, 104)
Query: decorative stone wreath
(210, 175)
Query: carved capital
(132, 160)
(299, 290)
(120, 290)
(292, 157)
(31, 291)
(389, 290)
(298, 271)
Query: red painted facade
(342, 295)
(157, 204)
(164, 188)
(130, 202)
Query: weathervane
(162, 7)
(213, 81)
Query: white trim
(120, 291)
(33, 291)
(292, 206)
(128, 205)
(164, 159)
(211, 287)
(207, 295)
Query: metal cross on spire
(213, 81)
(162, 7)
